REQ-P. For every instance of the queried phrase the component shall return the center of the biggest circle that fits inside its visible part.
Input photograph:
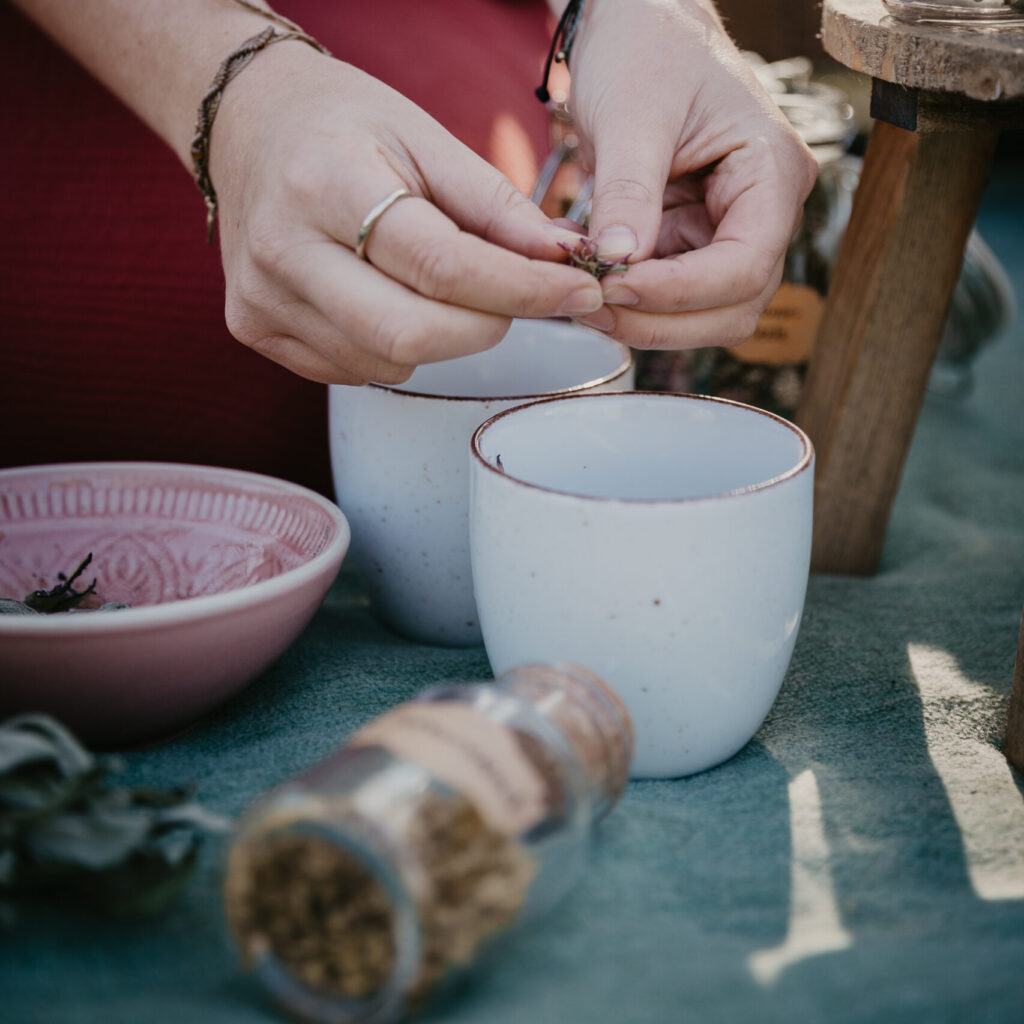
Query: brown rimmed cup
(400, 464)
(662, 541)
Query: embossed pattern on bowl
(222, 569)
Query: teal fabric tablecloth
(861, 860)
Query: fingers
(421, 245)
(715, 288)
(301, 358)
(481, 200)
(725, 325)
(303, 341)
(416, 244)
(450, 265)
(744, 254)
(684, 228)
(629, 186)
(359, 313)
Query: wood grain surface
(982, 63)
(895, 274)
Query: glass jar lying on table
(359, 890)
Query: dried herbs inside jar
(316, 907)
(357, 890)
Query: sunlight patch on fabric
(979, 782)
(814, 922)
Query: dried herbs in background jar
(360, 890)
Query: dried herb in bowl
(63, 597)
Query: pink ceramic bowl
(223, 570)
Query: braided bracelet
(561, 44)
(230, 67)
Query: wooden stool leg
(915, 205)
(1014, 745)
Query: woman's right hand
(302, 149)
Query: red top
(113, 339)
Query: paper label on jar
(466, 750)
(786, 331)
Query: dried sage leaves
(64, 832)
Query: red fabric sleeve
(112, 335)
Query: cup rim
(621, 370)
(803, 463)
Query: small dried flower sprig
(61, 598)
(585, 256)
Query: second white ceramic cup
(661, 540)
(400, 457)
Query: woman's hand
(302, 149)
(699, 178)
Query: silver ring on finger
(370, 221)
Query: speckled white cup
(662, 541)
(400, 463)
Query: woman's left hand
(699, 177)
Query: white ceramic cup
(661, 540)
(400, 457)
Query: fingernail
(583, 300)
(600, 320)
(563, 235)
(616, 242)
(620, 295)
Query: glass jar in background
(982, 309)
(362, 888)
(958, 12)
(563, 188)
